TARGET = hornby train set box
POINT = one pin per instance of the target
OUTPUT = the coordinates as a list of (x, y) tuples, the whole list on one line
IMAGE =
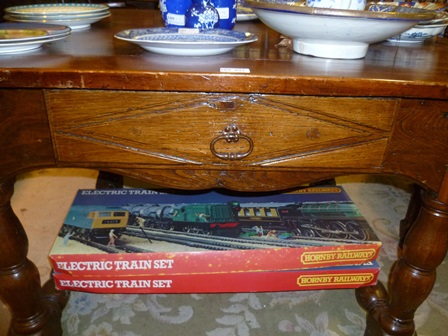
[(255, 281), (147, 233)]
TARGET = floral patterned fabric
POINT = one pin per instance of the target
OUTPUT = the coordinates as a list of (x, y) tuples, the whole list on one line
[(312, 313)]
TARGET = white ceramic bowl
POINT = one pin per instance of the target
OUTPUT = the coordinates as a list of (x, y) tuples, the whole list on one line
[(419, 33), (333, 33)]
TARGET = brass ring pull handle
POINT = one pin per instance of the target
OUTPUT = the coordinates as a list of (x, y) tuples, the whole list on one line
[(231, 134)]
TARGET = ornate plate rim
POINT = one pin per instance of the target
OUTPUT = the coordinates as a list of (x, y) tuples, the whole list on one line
[(29, 37), (67, 22), (24, 46), (92, 8), (299, 8), (52, 31)]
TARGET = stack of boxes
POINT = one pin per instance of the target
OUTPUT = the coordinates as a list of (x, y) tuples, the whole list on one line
[(148, 241)]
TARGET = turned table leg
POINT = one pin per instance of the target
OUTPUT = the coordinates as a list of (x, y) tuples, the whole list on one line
[(413, 275), (35, 311), (415, 205)]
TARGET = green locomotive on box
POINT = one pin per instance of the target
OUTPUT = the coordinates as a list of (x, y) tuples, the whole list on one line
[(220, 219)]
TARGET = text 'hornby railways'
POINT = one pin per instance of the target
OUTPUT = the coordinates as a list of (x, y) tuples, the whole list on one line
[(313, 280), (324, 257)]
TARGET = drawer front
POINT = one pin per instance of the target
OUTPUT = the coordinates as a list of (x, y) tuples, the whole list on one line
[(160, 128)]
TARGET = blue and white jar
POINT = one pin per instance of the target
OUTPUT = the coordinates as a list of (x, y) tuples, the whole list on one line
[(227, 12), (173, 12), (202, 15)]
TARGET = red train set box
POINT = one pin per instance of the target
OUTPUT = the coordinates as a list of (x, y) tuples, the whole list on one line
[(263, 281), (141, 232)]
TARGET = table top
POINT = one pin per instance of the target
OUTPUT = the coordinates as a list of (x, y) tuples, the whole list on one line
[(94, 59)]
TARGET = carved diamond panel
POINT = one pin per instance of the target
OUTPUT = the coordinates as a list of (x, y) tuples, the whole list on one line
[(154, 128)]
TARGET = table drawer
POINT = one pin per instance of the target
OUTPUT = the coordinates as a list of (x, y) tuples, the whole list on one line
[(160, 128)]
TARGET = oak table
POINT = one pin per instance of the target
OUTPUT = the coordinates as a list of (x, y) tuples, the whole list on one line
[(96, 102)]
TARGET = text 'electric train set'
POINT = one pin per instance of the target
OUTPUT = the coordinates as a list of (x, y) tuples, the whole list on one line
[(336, 220)]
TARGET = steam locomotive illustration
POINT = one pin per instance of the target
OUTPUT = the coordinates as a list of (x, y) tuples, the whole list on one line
[(95, 222), (325, 220), (339, 220), (220, 219)]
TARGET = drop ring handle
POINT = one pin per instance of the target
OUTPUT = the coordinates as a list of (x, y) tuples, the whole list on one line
[(231, 134)]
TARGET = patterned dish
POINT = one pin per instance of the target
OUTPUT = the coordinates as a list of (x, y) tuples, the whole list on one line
[(24, 37), (76, 16), (8, 35), (419, 33), (185, 42), (57, 9), (74, 23), (244, 13)]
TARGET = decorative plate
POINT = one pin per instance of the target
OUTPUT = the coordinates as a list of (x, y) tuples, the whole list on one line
[(25, 32), (440, 18), (12, 35), (186, 42), (57, 9), (74, 23), (20, 47), (419, 33), (245, 14), (57, 17), (23, 37)]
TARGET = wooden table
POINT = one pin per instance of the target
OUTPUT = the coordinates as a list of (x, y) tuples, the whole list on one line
[(93, 101)]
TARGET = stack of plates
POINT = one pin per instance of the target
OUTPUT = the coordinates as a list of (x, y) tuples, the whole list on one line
[(424, 30), (244, 13), (23, 37), (74, 15)]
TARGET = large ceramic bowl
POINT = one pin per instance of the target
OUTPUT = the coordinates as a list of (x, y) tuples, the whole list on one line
[(333, 33)]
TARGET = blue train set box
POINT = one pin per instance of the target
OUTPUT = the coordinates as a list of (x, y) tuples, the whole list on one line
[(141, 232)]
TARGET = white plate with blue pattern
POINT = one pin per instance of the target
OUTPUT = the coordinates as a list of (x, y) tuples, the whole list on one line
[(186, 42)]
